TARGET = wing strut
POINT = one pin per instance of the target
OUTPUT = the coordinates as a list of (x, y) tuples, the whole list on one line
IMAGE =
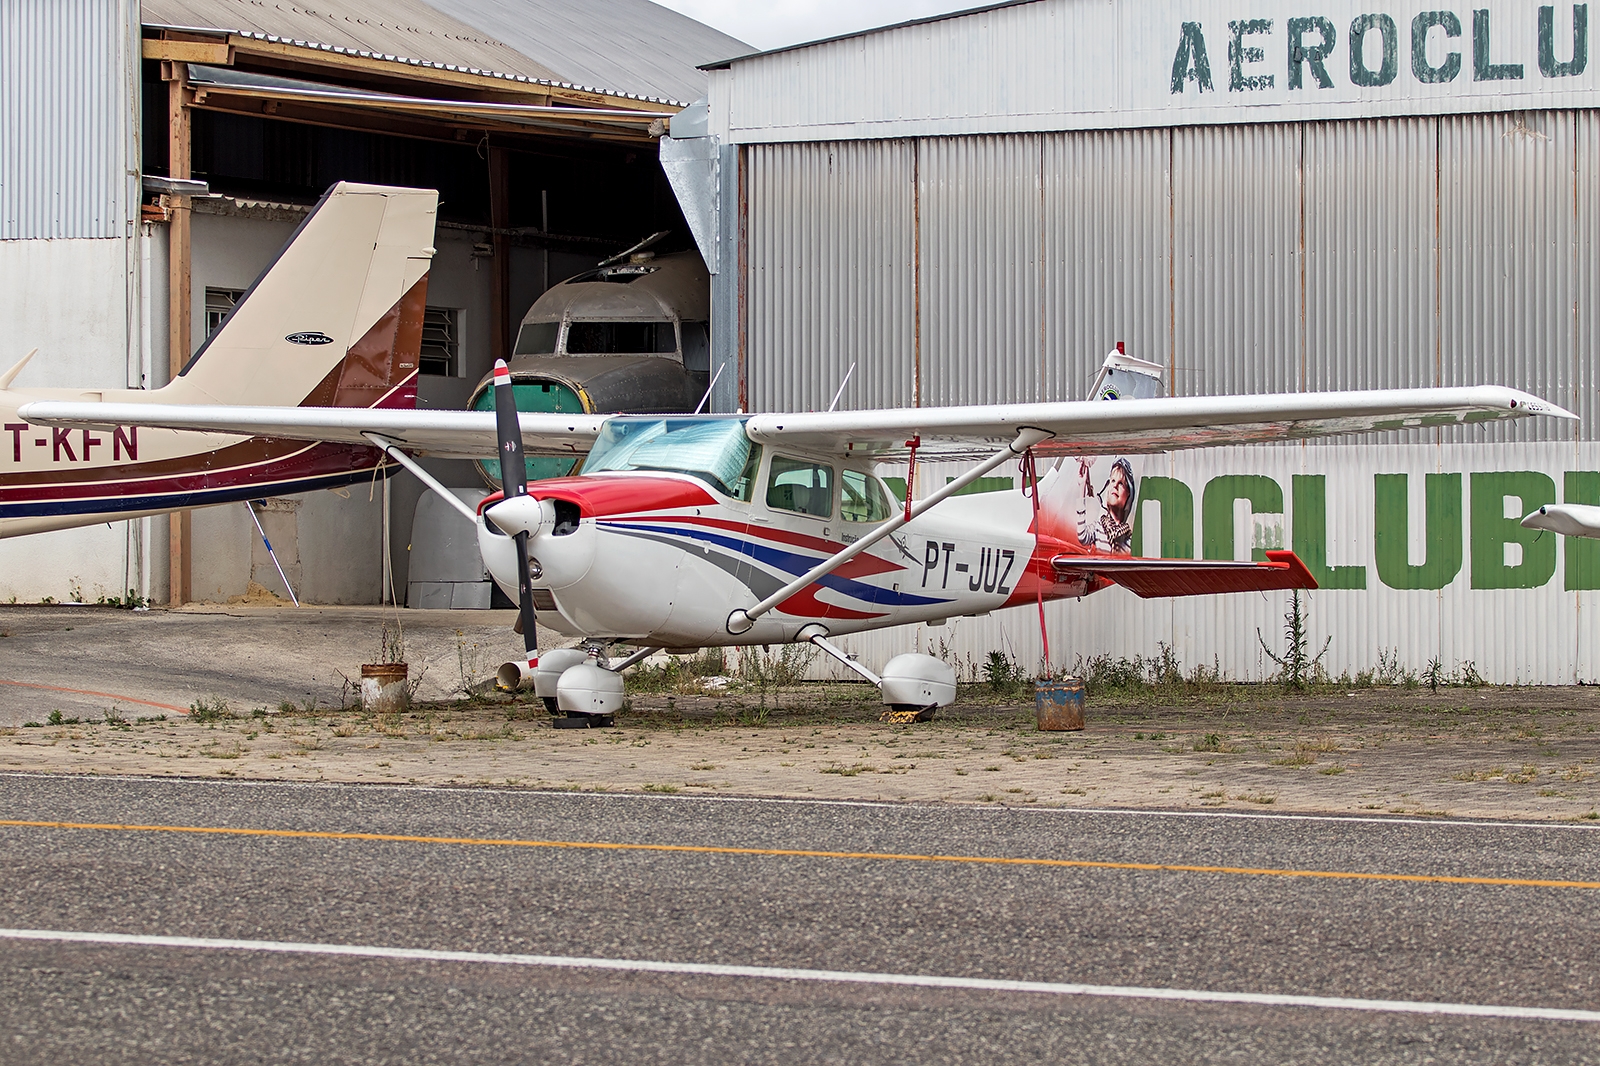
[(742, 619), (392, 450)]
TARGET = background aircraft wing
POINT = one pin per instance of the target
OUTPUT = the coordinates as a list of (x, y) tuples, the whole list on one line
[(446, 434), (1130, 426)]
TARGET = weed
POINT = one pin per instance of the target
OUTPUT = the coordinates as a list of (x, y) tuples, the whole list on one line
[(1164, 668), (1296, 666), (1390, 672), (209, 709), (1298, 757), (1002, 673), (1332, 770), (143, 720), (1210, 742), (32, 725), (469, 664), (651, 787), (766, 669), (131, 602), (1103, 674), (392, 643), (848, 771), (1434, 673)]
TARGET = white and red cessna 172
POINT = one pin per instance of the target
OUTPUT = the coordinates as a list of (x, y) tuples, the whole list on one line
[(724, 530)]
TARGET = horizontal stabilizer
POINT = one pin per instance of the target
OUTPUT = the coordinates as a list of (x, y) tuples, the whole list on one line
[(1190, 577)]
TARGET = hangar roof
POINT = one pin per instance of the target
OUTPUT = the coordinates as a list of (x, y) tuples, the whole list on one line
[(620, 47)]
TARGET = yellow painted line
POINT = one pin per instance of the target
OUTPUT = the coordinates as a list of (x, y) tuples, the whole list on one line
[(800, 853)]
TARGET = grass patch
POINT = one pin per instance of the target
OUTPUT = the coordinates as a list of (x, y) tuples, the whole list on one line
[(848, 771), (209, 709)]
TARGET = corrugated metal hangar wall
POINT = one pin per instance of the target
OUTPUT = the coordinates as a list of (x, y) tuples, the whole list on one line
[(70, 239), (1339, 255), (1270, 234)]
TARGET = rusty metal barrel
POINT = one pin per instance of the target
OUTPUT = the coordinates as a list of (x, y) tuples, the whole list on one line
[(1059, 704)]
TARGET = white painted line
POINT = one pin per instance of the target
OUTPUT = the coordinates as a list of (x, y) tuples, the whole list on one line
[(784, 973), (943, 808)]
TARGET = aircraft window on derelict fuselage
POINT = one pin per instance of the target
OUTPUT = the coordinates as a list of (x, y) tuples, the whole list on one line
[(537, 338), (621, 338), (861, 498), (715, 450), (800, 485)]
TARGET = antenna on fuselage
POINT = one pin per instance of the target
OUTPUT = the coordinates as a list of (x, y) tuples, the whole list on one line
[(720, 368), (842, 384)]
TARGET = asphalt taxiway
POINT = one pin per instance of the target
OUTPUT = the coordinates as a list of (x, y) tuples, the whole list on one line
[(184, 921)]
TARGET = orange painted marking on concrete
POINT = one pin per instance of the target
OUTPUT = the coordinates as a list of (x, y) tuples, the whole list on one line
[(102, 695), (880, 856)]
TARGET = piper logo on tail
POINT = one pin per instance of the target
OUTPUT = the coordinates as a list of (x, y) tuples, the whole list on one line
[(309, 337)]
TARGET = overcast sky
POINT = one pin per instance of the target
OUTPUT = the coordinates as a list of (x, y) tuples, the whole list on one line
[(776, 23)]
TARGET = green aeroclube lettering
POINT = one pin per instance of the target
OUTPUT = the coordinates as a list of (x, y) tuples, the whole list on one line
[(1177, 517), (1216, 510), (1191, 63), (1583, 553), (1441, 531), (1492, 530), (1309, 535)]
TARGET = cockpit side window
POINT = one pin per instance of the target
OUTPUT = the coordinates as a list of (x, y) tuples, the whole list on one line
[(861, 498), (800, 485)]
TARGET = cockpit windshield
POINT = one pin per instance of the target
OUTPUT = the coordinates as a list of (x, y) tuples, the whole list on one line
[(712, 449)]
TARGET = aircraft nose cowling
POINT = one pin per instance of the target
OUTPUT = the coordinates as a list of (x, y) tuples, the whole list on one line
[(521, 514)]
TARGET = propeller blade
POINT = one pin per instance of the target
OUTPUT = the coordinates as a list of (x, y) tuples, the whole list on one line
[(514, 480)]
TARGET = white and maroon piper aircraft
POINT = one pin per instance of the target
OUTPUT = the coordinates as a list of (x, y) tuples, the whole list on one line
[(692, 531)]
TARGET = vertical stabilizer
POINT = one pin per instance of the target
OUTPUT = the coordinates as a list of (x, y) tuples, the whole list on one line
[(336, 319)]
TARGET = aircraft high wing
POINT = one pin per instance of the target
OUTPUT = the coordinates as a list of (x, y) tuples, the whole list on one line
[(946, 433)]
